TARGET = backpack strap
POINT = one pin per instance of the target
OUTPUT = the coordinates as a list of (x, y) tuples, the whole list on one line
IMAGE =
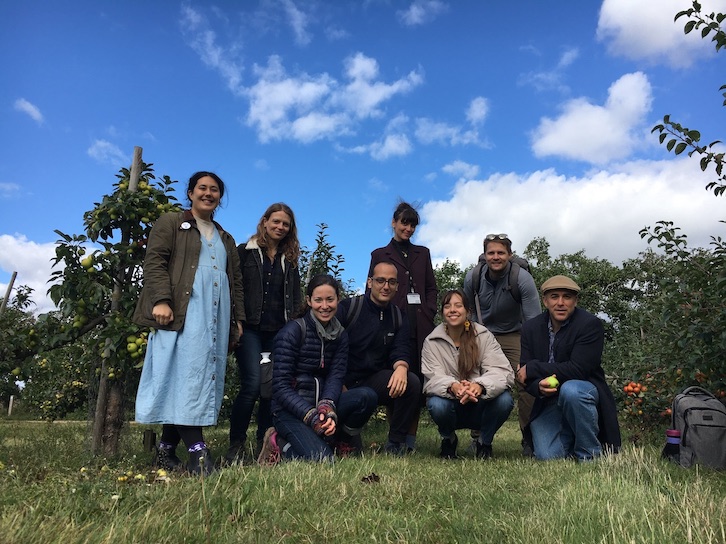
[(476, 273), (303, 326), (356, 304), (514, 282), (397, 317)]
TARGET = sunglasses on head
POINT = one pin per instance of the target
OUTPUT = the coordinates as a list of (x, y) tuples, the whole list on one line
[(490, 237)]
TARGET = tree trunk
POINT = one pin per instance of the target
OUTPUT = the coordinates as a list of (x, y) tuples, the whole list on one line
[(114, 419), (109, 417)]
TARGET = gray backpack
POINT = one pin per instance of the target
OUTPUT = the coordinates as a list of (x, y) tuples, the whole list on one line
[(701, 418)]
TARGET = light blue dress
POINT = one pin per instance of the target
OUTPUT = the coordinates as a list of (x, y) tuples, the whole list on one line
[(182, 380)]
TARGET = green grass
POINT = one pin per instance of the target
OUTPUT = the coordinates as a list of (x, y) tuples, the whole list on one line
[(51, 490)]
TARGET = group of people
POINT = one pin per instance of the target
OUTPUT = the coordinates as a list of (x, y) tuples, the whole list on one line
[(319, 366)]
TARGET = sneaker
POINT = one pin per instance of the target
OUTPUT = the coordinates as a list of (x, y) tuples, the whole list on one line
[(483, 451), (527, 450), (201, 462), (348, 446), (235, 452), (395, 448), (448, 448), (270, 452), (166, 459)]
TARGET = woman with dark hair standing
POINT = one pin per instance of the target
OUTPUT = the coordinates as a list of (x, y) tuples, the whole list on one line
[(468, 378), (271, 280), (308, 405), (417, 291), (192, 297)]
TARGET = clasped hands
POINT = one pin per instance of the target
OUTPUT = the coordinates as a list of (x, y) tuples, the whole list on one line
[(323, 419), (466, 391)]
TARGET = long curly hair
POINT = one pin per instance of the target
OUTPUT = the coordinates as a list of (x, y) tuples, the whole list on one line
[(289, 245), (468, 346)]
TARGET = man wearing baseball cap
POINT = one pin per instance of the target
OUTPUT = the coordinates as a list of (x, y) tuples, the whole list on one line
[(574, 413)]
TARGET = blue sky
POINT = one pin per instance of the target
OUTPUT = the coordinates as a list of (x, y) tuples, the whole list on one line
[(531, 119)]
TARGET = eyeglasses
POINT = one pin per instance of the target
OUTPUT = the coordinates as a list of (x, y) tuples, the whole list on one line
[(490, 237), (393, 282)]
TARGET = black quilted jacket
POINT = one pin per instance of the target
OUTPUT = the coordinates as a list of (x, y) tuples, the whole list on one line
[(306, 370)]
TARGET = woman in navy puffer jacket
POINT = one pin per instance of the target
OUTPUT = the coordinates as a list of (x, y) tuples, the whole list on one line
[(307, 382)]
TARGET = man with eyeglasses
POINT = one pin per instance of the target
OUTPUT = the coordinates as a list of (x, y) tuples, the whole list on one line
[(505, 296), (379, 353)]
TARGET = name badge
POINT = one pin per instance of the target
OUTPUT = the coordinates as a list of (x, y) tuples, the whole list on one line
[(413, 298)]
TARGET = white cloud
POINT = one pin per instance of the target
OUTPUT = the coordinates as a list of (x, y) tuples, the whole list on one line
[(203, 41), (551, 80), (429, 132), (307, 108), (29, 109), (9, 190), (421, 12), (105, 152), (298, 21), (377, 185), (601, 213), (568, 57), (464, 171), (478, 110), (393, 145), (645, 30), (364, 94), (32, 262), (593, 133)]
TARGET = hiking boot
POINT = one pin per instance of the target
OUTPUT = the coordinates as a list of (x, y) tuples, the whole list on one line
[(166, 459), (270, 452), (483, 451), (201, 462), (235, 452), (448, 448)]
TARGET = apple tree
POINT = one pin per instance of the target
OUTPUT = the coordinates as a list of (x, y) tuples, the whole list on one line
[(96, 293)]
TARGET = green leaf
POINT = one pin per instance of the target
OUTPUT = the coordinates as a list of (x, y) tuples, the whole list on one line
[(689, 26), (680, 148), (671, 144), (694, 135)]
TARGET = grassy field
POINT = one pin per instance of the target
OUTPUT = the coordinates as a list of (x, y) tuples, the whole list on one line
[(51, 490)]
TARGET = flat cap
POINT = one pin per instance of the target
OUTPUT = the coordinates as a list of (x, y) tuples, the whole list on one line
[(560, 282)]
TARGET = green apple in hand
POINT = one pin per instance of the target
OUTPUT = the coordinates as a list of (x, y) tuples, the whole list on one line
[(552, 382)]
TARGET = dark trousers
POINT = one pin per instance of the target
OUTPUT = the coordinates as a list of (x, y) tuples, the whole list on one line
[(248, 355), (403, 409)]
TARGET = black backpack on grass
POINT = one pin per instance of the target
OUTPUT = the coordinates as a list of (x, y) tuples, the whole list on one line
[(701, 418)]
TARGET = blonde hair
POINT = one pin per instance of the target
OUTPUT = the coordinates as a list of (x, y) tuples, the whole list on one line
[(289, 245)]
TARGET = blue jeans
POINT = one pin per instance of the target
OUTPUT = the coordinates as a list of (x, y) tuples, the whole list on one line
[(486, 416), (568, 426), (248, 357), (353, 409)]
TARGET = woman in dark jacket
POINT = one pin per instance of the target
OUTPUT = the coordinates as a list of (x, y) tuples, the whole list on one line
[(192, 297), (311, 355), (417, 291), (271, 282)]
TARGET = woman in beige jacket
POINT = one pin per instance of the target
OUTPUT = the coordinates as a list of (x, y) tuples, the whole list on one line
[(467, 378)]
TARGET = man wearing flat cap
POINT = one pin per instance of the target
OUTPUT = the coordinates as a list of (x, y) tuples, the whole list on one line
[(574, 414)]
